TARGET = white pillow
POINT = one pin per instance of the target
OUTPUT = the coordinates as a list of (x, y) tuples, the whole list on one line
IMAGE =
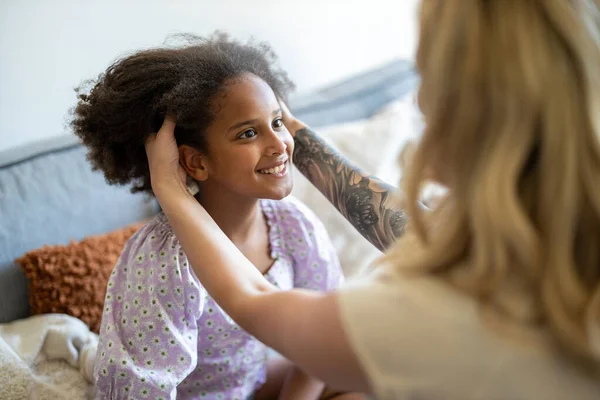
[(372, 144)]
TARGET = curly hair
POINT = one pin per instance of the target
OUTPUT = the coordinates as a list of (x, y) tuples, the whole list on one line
[(129, 101), (509, 92)]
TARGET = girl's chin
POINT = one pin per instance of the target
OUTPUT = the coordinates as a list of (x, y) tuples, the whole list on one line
[(278, 194)]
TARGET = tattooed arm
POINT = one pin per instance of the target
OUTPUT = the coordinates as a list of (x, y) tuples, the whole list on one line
[(362, 199)]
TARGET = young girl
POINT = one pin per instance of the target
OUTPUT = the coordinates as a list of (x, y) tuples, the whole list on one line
[(162, 335)]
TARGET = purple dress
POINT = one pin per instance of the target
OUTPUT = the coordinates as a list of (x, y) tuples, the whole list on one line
[(164, 337)]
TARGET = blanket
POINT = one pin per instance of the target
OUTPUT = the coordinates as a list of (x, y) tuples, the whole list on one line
[(46, 357)]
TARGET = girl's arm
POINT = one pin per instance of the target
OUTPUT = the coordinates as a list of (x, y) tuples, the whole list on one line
[(285, 381), (301, 386), (147, 346), (304, 326)]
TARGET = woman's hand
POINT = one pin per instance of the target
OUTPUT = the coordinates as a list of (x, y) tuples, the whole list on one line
[(168, 178), (291, 123)]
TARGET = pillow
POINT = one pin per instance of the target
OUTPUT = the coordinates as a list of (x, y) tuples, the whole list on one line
[(72, 279), (373, 144)]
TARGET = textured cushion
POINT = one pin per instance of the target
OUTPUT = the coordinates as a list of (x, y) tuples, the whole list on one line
[(72, 279)]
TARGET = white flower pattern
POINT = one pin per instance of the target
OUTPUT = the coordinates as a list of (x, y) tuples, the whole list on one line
[(162, 334)]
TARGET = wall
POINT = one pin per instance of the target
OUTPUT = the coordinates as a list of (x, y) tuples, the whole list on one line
[(47, 47)]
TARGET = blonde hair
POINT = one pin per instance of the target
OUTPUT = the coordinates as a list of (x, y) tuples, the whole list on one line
[(510, 96)]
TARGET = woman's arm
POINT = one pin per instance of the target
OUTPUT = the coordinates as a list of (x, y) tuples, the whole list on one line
[(304, 326), (362, 199)]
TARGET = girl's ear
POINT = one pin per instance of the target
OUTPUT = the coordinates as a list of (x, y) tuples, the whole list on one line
[(193, 162)]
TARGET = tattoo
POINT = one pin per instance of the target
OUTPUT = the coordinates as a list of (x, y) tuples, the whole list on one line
[(360, 198)]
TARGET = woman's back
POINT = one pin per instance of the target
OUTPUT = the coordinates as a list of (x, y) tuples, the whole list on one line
[(419, 338)]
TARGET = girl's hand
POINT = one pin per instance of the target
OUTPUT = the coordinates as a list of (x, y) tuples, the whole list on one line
[(290, 122), (168, 178)]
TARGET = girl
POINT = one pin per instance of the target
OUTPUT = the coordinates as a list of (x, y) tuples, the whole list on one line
[(162, 335), (495, 294)]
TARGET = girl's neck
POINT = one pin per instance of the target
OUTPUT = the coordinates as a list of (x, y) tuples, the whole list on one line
[(238, 217)]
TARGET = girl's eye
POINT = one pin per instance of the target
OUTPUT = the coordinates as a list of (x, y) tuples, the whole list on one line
[(250, 133), (278, 123)]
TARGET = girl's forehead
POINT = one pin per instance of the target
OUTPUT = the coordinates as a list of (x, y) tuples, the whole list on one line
[(248, 94)]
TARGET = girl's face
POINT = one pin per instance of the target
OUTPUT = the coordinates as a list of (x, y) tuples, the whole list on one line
[(249, 150)]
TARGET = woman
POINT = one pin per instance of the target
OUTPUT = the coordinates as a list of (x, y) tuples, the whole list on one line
[(495, 294)]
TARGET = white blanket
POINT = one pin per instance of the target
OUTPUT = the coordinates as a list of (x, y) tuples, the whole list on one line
[(46, 357)]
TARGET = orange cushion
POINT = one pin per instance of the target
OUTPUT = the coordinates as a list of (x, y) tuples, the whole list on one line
[(72, 279)]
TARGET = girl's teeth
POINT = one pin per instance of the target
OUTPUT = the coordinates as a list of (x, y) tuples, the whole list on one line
[(275, 170)]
